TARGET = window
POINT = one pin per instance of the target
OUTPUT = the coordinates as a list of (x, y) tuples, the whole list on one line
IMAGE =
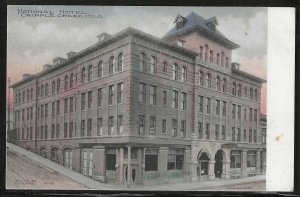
[(233, 111), (175, 99), (255, 136), (184, 74), (251, 159), (224, 85), (87, 163), (245, 135), (175, 71), (120, 124), (46, 111), (218, 58), (143, 62), (201, 78), (99, 100), (31, 93), (200, 130), (111, 65), (66, 82), (153, 65), (211, 56), (71, 130), (218, 83), (238, 134), (89, 127), (111, 94), (57, 107), (222, 59), (234, 89), (245, 114), (90, 97), (207, 131), (206, 53), (164, 97), (224, 108), (245, 91), (23, 98), (90, 71), (164, 126), (52, 131), (250, 135), (42, 111), (82, 128), (174, 127), (235, 159), (83, 101), (264, 137), (99, 127), (66, 105), (111, 125), (152, 128), (83, 75), (28, 95), (65, 130), (239, 112), (208, 105), (42, 132), (57, 130), (217, 132), (120, 62), (201, 52), (208, 80), (223, 132), (183, 128), (217, 107), (71, 104), (255, 115), (251, 93), (152, 95), (255, 95), (28, 114), (58, 85), (142, 93), (68, 158), (151, 160), (175, 159), (23, 114), (183, 101), (30, 133), (239, 90), (31, 112), (233, 133), (53, 108), (165, 67), (141, 124), (100, 69), (250, 114), (53, 87), (226, 62), (71, 80), (200, 104), (42, 92)]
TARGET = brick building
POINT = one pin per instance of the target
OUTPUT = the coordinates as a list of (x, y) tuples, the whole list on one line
[(137, 109)]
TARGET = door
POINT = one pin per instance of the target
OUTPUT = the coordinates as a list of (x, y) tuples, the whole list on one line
[(133, 174)]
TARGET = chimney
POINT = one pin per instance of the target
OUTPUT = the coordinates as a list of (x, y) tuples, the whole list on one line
[(58, 60), (103, 36), (235, 65), (47, 66), (71, 54)]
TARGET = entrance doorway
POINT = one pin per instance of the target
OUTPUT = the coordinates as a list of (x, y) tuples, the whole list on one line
[(134, 174), (202, 168), (219, 164)]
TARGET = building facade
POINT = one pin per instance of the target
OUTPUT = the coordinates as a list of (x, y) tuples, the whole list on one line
[(137, 109)]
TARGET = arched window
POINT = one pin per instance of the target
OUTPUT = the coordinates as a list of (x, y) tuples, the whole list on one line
[(175, 71), (206, 53), (153, 64), (184, 74), (71, 80), (90, 71), (208, 80), (66, 82), (53, 87), (201, 78), (255, 95), (165, 68), (234, 89), (224, 85), (222, 59), (251, 93), (143, 62), (111, 65), (245, 91), (201, 52), (100, 69), (46, 89), (120, 62), (58, 85), (218, 83), (68, 158), (83, 75), (42, 91), (239, 90)]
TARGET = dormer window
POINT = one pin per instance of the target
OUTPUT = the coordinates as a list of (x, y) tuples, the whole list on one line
[(180, 21), (180, 43), (211, 23)]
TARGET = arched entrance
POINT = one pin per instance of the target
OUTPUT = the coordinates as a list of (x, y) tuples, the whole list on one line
[(219, 163), (202, 168), (54, 155)]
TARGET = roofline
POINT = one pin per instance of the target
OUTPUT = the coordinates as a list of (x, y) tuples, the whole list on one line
[(248, 75), (225, 41), (116, 37)]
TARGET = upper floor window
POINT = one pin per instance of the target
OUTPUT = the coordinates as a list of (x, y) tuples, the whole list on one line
[(31, 93), (111, 94), (23, 98), (143, 62), (90, 71), (111, 65), (28, 95), (218, 58), (211, 56), (234, 89), (201, 52), (183, 101), (206, 53), (208, 80), (142, 93), (83, 101), (100, 69), (201, 78), (255, 95), (239, 90), (120, 92), (152, 95), (222, 59), (251, 93), (224, 85), (153, 65), (218, 83), (184, 74), (90, 97), (42, 91), (120, 62), (227, 62), (175, 71), (58, 85), (71, 80), (53, 87), (245, 91), (165, 67), (83, 75), (66, 82), (175, 99)]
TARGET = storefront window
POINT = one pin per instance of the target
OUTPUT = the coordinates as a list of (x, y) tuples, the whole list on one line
[(175, 159), (235, 159), (251, 159), (151, 159)]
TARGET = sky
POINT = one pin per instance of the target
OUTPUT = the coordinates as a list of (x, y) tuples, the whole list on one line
[(35, 41)]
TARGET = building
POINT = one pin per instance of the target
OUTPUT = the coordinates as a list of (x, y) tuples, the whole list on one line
[(137, 109)]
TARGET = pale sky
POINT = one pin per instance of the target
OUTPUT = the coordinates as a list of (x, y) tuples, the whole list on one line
[(35, 41)]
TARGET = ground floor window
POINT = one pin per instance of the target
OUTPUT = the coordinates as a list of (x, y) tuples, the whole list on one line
[(151, 159), (87, 163), (202, 168), (251, 159), (175, 159), (235, 159), (68, 158), (43, 152), (133, 153), (111, 159), (54, 156)]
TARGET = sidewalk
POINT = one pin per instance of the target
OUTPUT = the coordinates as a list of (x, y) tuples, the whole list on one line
[(95, 185)]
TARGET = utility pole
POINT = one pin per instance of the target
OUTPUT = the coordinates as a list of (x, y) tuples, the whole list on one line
[(8, 106)]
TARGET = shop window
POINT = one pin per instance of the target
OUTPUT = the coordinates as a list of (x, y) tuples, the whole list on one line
[(151, 159), (251, 159), (235, 159), (111, 160)]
